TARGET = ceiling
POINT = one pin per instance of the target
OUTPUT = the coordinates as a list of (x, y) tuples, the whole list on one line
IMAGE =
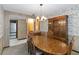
[(47, 10)]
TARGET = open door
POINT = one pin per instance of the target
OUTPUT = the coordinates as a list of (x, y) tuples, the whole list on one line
[(21, 29)]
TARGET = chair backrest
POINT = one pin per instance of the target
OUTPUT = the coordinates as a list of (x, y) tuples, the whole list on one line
[(71, 45), (31, 47)]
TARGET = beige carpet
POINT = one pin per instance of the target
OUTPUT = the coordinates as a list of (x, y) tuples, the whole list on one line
[(14, 42), (16, 50), (21, 50)]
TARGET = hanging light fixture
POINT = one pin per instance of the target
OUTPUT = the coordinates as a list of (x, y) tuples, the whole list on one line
[(41, 17)]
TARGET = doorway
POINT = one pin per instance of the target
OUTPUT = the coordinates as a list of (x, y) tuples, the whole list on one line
[(13, 29), (17, 32), (13, 32)]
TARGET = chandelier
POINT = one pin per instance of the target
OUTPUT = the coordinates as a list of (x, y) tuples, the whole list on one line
[(42, 17)]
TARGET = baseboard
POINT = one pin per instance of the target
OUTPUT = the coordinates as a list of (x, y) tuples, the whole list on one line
[(22, 38), (3, 49), (75, 51)]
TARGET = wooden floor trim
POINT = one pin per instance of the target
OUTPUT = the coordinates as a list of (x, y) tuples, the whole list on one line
[(75, 51)]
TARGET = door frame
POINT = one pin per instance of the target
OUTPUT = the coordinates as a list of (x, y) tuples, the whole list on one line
[(15, 21)]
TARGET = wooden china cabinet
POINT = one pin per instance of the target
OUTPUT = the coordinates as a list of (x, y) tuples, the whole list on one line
[(58, 26)]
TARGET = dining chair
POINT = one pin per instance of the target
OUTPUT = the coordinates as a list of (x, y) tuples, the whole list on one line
[(31, 48), (30, 45), (71, 46)]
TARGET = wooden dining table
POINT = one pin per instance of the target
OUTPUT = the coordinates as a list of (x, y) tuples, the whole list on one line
[(50, 45)]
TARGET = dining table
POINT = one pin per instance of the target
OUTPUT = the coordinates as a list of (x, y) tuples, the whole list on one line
[(50, 45)]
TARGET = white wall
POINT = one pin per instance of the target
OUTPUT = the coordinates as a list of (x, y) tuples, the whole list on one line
[(73, 26), (1, 27)]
